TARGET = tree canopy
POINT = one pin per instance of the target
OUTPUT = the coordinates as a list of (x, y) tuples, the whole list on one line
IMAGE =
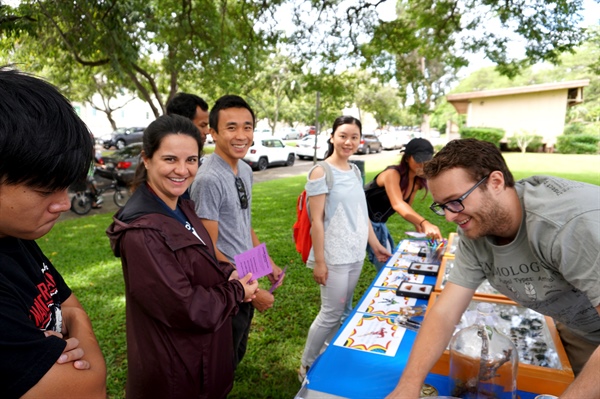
[(154, 48)]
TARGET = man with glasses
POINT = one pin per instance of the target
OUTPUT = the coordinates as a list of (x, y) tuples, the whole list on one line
[(222, 192), (536, 241)]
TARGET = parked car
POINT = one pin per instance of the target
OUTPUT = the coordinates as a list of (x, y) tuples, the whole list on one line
[(121, 164), (288, 133), (124, 136), (265, 152), (393, 140), (369, 143), (305, 148), (264, 132), (101, 138)]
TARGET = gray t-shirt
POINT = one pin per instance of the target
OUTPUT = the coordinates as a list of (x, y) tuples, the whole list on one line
[(346, 221), (216, 197), (553, 264)]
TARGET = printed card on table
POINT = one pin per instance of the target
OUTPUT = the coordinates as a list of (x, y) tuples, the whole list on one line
[(374, 334), (255, 261), (412, 247), (392, 278), (402, 262), (385, 302)]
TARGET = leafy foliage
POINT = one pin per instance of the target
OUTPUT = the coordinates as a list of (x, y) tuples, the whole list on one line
[(578, 144), (145, 47), (491, 134)]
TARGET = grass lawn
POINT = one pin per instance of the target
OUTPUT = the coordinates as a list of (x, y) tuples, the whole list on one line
[(79, 248)]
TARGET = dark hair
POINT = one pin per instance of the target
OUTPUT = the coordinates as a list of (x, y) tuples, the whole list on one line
[(339, 121), (186, 104), (478, 158), (43, 143), (154, 135), (404, 170), (226, 102)]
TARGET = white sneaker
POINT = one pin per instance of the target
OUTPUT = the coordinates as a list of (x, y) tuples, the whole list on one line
[(302, 373)]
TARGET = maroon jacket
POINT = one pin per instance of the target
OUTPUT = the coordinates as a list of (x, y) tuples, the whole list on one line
[(179, 303)]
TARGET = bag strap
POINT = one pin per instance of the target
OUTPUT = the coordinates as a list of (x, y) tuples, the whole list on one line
[(357, 172), (328, 174)]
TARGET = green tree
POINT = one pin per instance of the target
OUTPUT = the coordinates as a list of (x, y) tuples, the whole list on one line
[(273, 88), (380, 100), (149, 46)]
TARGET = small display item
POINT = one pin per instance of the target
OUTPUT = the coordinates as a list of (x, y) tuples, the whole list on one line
[(427, 269), (414, 290), (542, 358), (428, 391)]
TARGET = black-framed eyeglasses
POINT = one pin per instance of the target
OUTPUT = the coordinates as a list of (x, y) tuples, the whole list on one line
[(455, 206), (241, 189)]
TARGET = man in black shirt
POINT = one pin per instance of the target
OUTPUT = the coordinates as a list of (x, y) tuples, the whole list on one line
[(47, 343)]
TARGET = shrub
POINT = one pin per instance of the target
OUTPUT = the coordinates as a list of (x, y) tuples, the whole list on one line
[(574, 128), (491, 134), (578, 144)]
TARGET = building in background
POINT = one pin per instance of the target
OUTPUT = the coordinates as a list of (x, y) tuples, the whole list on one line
[(538, 109)]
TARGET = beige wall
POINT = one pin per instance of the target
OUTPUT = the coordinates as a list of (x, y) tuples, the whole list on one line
[(541, 113)]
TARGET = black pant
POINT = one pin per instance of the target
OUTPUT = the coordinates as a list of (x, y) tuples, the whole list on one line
[(241, 328)]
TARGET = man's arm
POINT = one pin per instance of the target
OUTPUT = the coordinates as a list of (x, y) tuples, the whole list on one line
[(586, 385), (432, 339), (64, 380), (212, 227)]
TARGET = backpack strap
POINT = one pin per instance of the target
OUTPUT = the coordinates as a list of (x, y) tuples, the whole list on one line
[(328, 174), (357, 172)]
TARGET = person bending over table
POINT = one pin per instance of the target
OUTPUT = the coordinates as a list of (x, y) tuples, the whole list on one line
[(535, 240), (394, 190)]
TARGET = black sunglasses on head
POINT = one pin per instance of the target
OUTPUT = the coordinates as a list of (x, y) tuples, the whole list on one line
[(241, 189)]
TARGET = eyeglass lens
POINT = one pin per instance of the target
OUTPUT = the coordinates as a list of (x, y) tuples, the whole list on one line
[(455, 206), (241, 189)]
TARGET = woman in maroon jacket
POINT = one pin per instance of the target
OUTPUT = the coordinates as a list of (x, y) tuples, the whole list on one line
[(179, 298)]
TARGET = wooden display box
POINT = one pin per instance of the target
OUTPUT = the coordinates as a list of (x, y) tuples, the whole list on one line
[(552, 379), (452, 245), (485, 289)]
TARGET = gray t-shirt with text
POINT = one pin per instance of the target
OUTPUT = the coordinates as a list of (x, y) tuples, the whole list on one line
[(553, 265)]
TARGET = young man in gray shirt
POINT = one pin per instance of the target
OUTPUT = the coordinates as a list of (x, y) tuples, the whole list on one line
[(222, 192), (536, 240)]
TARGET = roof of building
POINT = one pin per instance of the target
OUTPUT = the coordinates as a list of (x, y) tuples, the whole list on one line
[(519, 90), (460, 100)]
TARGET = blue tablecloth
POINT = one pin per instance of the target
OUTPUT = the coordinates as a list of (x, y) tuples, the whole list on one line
[(351, 373)]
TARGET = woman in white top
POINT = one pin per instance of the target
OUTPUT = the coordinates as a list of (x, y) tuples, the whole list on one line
[(340, 229)]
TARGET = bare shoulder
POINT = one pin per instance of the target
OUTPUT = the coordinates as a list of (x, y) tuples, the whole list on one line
[(316, 173)]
